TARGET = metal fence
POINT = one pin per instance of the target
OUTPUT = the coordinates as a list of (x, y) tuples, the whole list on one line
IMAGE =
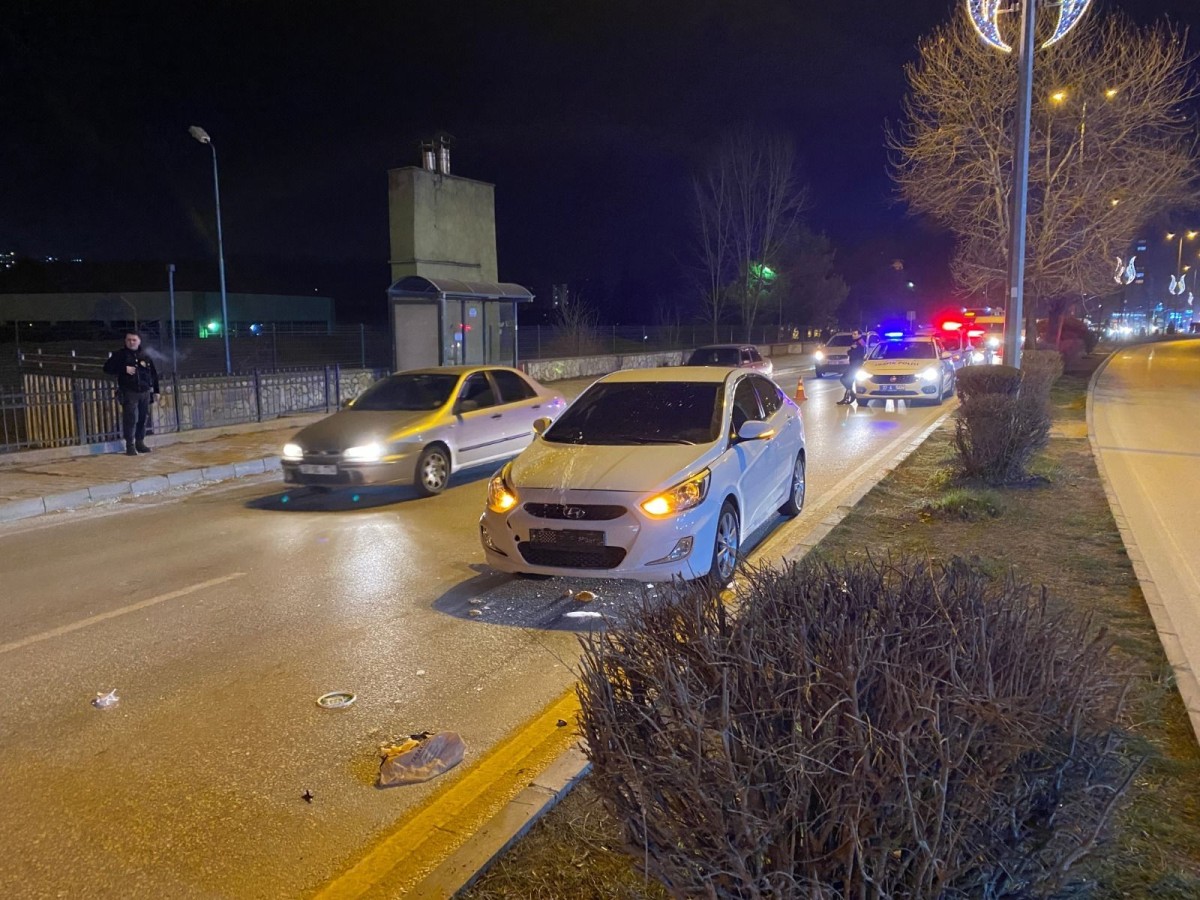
[(66, 410), (556, 342)]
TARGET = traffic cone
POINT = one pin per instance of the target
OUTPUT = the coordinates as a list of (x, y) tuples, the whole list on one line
[(800, 395)]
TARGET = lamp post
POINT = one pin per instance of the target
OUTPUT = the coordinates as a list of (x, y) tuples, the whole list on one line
[(985, 16), (202, 136)]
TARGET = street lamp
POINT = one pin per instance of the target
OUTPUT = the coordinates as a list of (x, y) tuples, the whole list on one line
[(985, 15), (202, 136)]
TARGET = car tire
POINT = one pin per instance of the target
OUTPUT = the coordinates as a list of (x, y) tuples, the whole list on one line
[(726, 545), (864, 402), (799, 484), (819, 372), (433, 470), (941, 394)]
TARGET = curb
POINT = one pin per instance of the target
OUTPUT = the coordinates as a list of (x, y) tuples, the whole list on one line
[(1186, 681), (475, 856), (153, 484)]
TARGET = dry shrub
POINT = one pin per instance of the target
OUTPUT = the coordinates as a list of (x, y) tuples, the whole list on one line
[(1004, 416), (861, 730)]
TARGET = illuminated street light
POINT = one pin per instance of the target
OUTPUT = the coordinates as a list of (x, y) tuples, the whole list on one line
[(985, 16), (1110, 93), (202, 136), (1058, 96)]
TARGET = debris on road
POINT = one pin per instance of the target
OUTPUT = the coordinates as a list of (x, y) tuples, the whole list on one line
[(104, 701), (584, 614), (336, 700), (475, 613), (425, 760), (420, 672), (585, 597), (566, 595), (307, 796), (476, 601)]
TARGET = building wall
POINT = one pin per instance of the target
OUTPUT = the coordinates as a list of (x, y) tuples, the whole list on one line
[(442, 226), (152, 306)]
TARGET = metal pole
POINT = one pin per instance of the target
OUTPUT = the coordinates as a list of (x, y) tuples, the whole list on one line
[(362, 345), (1013, 316), (171, 289), (221, 263)]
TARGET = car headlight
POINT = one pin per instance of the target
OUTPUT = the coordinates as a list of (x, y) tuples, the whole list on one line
[(501, 497), (993, 342), (365, 453), (685, 495), (819, 356), (977, 356), (293, 451), (931, 374), (862, 375)]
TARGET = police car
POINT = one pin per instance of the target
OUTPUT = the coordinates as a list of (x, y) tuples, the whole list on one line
[(906, 367)]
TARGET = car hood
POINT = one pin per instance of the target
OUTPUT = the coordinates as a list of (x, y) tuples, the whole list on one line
[(899, 366), (353, 428), (644, 468)]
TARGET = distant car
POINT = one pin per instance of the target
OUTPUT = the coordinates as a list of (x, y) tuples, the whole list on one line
[(420, 426), (738, 356), (650, 474), (906, 368), (834, 355)]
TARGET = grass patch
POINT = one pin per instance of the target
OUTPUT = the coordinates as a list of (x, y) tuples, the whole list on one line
[(1060, 533)]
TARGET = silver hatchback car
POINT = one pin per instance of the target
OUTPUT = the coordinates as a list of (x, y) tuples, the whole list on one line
[(737, 356), (417, 427)]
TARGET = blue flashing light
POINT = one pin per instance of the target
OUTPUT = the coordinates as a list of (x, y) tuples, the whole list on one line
[(893, 334)]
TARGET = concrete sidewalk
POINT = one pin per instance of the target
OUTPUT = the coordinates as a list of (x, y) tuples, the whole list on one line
[(35, 483)]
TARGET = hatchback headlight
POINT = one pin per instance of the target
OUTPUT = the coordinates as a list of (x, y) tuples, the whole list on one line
[(685, 495), (365, 453), (862, 375), (293, 451), (501, 497), (930, 374), (819, 356)]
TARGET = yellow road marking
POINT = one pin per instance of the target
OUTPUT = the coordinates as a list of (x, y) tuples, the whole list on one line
[(450, 817)]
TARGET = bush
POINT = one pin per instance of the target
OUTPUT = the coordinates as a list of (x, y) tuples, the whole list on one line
[(978, 380), (855, 730), (997, 435)]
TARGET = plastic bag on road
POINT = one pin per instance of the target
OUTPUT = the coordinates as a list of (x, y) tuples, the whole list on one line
[(430, 758)]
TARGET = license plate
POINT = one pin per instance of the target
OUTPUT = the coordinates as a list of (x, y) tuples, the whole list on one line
[(317, 470), (890, 387), (566, 536)]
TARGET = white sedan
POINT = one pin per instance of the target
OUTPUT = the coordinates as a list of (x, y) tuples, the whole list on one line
[(910, 368), (650, 474)]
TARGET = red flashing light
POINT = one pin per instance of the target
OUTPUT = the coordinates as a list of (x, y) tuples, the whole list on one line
[(975, 332), (951, 325)]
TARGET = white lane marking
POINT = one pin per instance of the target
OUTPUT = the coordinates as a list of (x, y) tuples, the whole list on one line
[(112, 614)]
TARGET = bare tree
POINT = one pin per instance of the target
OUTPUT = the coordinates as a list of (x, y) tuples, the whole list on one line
[(749, 204), (1110, 146)]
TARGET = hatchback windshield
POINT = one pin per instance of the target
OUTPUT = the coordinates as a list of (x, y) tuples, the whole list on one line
[(418, 391), (839, 340), (632, 412), (715, 356), (904, 350)]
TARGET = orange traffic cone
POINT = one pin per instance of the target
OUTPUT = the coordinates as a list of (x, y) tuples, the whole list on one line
[(800, 396)]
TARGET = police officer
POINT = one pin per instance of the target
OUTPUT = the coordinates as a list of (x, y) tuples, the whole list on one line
[(137, 385), (857, 354)]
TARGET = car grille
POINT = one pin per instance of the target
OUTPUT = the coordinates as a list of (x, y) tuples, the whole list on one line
[(894, 379), (572, 557), (578, 512)]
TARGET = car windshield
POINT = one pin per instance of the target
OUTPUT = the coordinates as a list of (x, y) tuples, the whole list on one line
[(714, 356), (417, 391), (636, 412), (840, 340), (904, 350)]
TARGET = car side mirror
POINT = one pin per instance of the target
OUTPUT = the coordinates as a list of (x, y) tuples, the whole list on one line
[(541, 424), (466, 406), (755, 430)]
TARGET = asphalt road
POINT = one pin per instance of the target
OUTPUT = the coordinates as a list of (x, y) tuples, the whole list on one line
[(220, 614), (1146, 425)]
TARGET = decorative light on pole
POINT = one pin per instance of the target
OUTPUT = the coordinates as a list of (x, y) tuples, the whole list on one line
[(202, 136), (985, 16)]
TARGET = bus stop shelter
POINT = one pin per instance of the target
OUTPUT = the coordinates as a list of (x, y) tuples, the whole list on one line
[(447, 322)]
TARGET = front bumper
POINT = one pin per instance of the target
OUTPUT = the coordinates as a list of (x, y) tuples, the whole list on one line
[(632, 544), (317, 472), (885, 389), (837, 364)]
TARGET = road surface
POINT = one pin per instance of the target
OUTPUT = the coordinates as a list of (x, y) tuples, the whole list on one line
[(220, 615)]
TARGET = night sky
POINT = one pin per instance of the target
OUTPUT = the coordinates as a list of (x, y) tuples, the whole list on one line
[(589, 117)]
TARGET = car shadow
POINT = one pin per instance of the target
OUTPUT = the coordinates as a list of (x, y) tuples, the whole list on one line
[(305, 498)]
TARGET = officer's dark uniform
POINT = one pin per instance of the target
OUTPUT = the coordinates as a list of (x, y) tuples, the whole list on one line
[(135, 391)]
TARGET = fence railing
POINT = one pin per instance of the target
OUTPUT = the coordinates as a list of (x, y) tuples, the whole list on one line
[(557, 342), (65, 410)]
